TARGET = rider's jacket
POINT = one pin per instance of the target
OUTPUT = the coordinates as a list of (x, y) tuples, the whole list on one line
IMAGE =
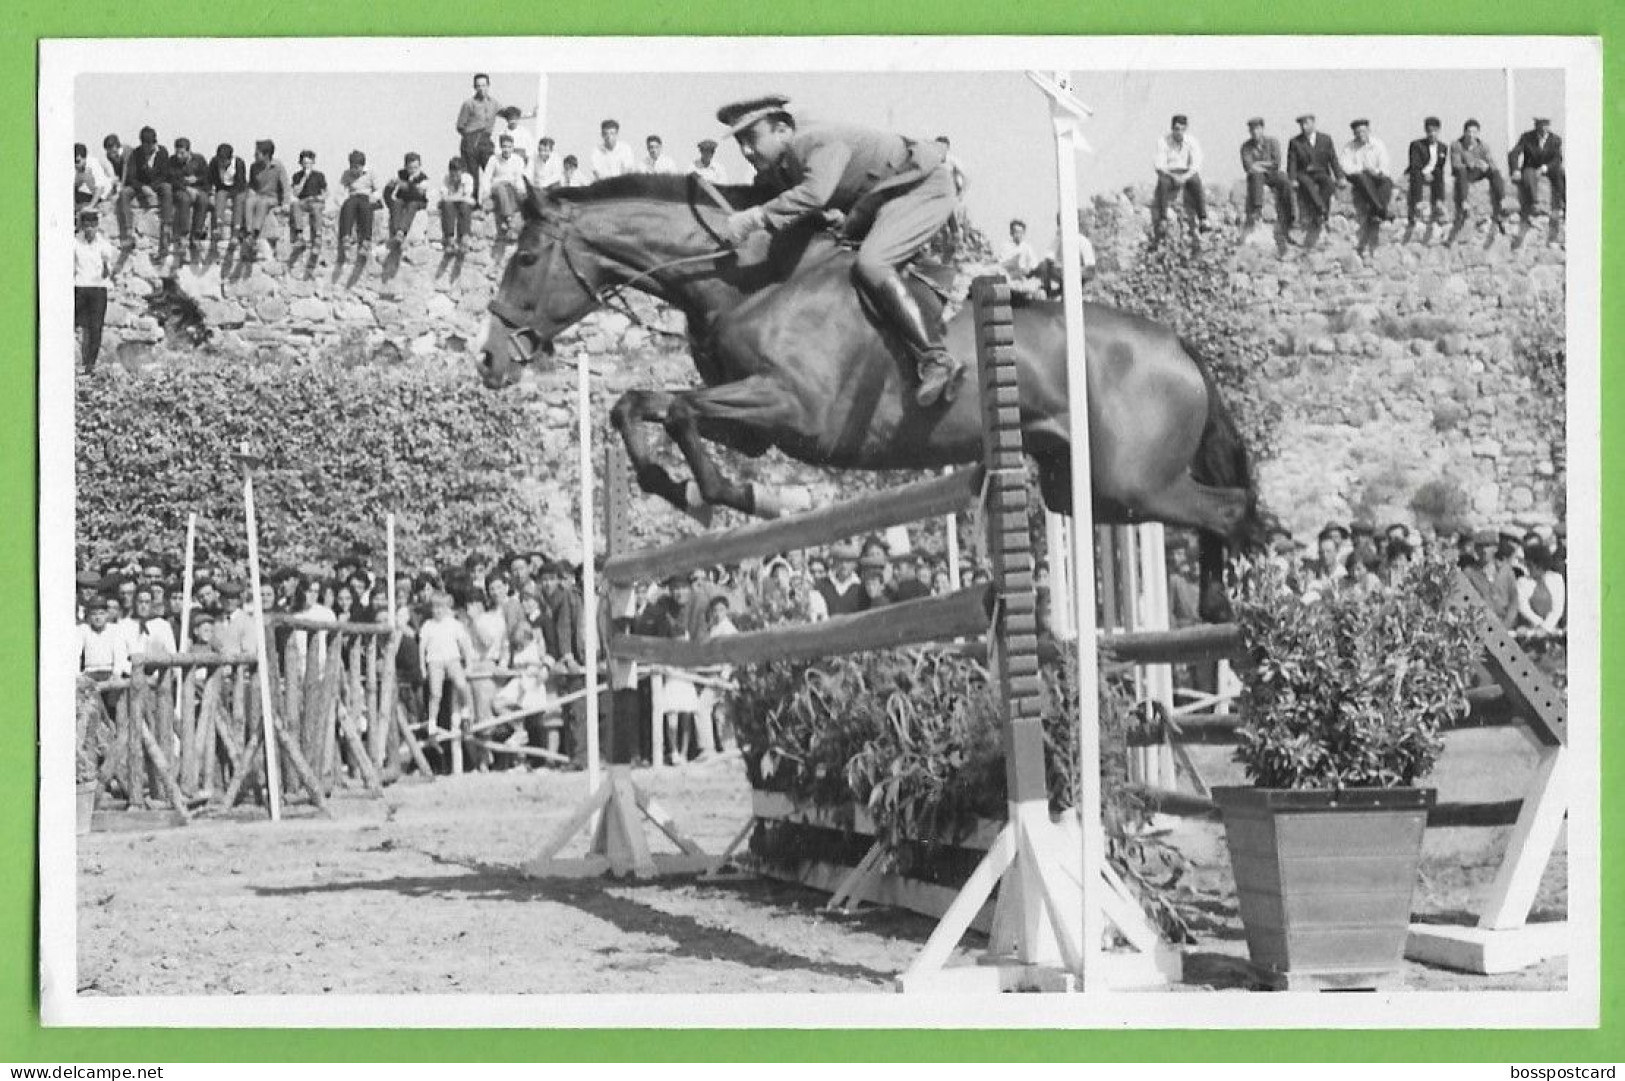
[(834, 166)]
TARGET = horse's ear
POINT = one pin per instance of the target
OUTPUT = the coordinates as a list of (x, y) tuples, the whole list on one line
[(534, 205)]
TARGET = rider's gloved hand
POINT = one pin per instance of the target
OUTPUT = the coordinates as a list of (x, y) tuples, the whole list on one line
[(742, 223)]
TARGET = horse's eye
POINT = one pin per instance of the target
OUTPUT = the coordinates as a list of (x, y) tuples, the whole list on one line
[(527, 258)]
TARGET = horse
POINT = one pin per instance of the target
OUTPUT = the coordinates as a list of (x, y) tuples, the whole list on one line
[(791, 358)]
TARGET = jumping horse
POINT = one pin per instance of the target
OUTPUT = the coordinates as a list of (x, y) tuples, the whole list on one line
[(790, 358)]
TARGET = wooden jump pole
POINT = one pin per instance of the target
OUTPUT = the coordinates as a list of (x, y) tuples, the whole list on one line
[(273, 768), (589, 571)]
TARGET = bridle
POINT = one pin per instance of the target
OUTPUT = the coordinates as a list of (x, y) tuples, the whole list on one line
[(525, 341)]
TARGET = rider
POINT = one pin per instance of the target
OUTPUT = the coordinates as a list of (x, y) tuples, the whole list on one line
[(899, 194)]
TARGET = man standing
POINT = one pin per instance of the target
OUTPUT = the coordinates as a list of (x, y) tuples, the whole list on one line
[(188, 176), (1261, 163), (1365, 161), (545, 171), (474, 121), (309, 200), (145, 180), (1313, 171), (1470, 162), (656, 160), (93, 259), (1538, 153), (899, 194), (268, 190), (611, 157), (1425, 169), (228, 183), (1179, 171), (707, 165)]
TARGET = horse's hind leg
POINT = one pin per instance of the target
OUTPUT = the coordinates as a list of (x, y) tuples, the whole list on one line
[(1187, 502)]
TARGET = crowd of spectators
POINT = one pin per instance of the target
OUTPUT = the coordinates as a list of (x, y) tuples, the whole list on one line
[(481, 637)]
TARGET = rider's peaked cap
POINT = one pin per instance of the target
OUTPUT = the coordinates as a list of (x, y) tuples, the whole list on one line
[(742, 114)]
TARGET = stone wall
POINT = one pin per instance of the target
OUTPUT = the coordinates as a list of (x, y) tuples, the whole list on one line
[(1396, 372)]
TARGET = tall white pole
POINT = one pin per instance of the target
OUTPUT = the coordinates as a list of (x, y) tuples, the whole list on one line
[(589, 572), (186, 595), (540, 128), (1512, 108), (950, 525), (273, 766), (389, 566), (1083, 533)]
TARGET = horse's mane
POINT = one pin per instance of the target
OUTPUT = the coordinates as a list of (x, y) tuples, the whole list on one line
[(660, 187)]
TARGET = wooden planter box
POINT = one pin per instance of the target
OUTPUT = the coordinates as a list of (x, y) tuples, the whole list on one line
[(1325, 881), (844, 880)]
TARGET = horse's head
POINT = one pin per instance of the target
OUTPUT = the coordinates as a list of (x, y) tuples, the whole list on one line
[(551, 281)]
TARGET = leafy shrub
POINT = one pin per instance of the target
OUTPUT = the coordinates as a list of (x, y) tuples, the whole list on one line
[(1348, 690), (915, 738)]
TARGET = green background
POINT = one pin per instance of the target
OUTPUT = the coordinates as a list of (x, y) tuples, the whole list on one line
[(21, 1037)]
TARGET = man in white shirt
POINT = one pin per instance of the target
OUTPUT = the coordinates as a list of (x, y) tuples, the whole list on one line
[(504, 184), (1017, 258), (93, 260), (103, 653), (611, 157), (1365, 161), (574, 175), (656, 161), (546, 171), (154, 637), (1179, 171), (1049, 268), (707, 165)]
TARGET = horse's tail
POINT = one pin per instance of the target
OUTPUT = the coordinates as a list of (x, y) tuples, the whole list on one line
[(1221, 461)]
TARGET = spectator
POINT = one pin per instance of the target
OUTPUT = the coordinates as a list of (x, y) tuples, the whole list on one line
[(93, 261), (188, 177), (111, 165), (267, 191), (1261, 163), (1542, 596), (1329, 563), (1049, 268), (145, 181), (1179, 172), (236, 632), (508, 124), (656, 159), (1428, 160), (1313, 170), (611, 157), (205, 638), (228, 187), (88, 183), (906, 584), (843, 591), (546, 171), (1397, 562), (405, 195), (707, 165), (488, 633), (358, 188), (447, 652), (153, 635), (1016, 256), (103, 652), (475, 119), (563, 629), (1539, 152), (309, 202), (504, 185), (941, 581), (573, 175), (456, 206), (1504, 579), (1365, 162), (1470, 162)]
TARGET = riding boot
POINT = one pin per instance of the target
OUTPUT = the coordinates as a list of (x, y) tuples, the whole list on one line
[(937, 370)]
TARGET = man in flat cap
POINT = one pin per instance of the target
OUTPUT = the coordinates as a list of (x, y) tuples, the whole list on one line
[(1365, 161), (892, 192), (1539, 153), (1178, 163), (1313, 170), (93, 263), (1261, 164), (1425, 169), (707, 165)]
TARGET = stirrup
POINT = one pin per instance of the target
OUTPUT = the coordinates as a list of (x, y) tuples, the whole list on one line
[(940, 374)]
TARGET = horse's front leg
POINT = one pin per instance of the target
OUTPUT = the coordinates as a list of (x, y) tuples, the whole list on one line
[(756, 409), (634, 409)]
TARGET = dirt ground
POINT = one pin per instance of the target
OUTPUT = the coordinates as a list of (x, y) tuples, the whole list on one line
[(420, 892)]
